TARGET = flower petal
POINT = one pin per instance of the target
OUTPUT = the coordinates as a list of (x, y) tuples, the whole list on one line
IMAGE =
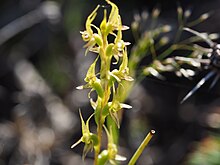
[(120, 158), (125, 106), (75, 144)]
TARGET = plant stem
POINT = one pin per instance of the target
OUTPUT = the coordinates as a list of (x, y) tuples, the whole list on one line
[(105, 68), (141, 148)]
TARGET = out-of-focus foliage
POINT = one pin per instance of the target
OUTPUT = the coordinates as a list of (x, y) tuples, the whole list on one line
[(206, 152), (155, 41)]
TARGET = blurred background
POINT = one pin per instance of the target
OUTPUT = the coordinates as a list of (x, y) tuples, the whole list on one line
[(42, 61)]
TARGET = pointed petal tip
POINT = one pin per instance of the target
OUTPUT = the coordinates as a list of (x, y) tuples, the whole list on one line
[(75, 144), (124, 27), (72, 146), (127, 43), (128, 78), (120, 158), (126, 106), (79, 87)]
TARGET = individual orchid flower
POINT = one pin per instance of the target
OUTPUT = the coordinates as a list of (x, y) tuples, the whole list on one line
[(113, 22), (89, 36), (88, 138), (113, 17), (108, 26), (123, 72), (115, 106), (111, 154), (92, 81), (119, 44)]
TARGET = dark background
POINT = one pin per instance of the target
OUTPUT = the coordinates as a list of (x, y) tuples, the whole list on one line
[(41, 65)]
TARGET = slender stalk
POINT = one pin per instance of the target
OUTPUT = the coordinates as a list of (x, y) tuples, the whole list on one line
[(141, 148), (105, 67), (174, 47)]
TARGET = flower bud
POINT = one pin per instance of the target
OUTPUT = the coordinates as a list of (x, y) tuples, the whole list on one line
[(109, 49), (103, 157), (103, 24), (98, 39), (91, 72), (98, 88), (204, 16), (94, 139)]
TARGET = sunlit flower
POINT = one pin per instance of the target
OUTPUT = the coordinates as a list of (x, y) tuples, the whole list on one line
[(111, 154), (92, 39), (88, 138), (115, 106), (92, 81), (123, 72)]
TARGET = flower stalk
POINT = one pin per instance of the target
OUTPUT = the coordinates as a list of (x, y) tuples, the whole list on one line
[(105, 82)]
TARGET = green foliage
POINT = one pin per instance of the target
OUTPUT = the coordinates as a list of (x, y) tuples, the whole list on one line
[(156, 43), (206, 152)]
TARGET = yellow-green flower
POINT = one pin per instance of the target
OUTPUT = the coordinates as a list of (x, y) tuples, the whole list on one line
[(93, 39), (123, 72), (92, 81), (111, 154), (115, 106), (88, 138)]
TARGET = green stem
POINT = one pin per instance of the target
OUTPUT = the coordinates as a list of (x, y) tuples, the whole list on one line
[(179, 33), (141, 148), (174, 47), (113, 126), (105, 68)]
